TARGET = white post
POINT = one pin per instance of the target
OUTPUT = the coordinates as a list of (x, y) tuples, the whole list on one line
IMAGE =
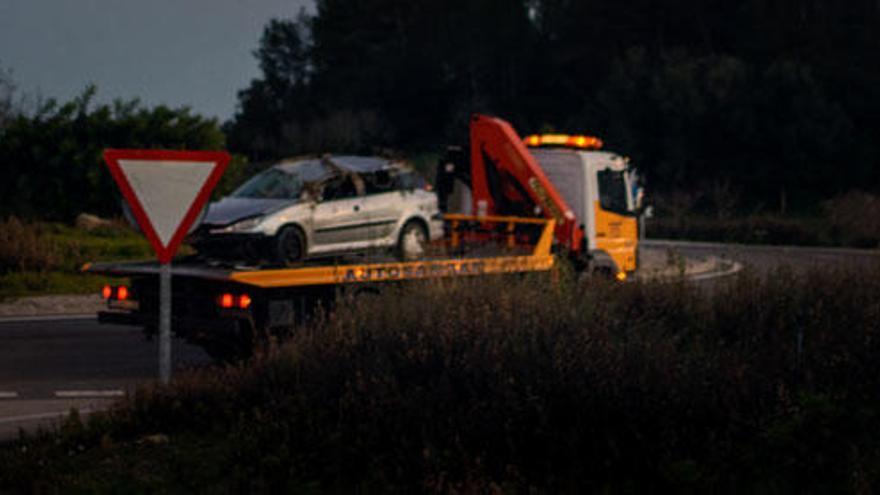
[(165, 322)]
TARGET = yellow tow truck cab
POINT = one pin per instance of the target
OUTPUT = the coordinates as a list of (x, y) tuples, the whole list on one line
[(602, 189)]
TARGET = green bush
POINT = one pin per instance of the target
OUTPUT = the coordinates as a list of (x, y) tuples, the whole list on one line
[(854, 218), (53, 158), (755, 229), (761, 384)]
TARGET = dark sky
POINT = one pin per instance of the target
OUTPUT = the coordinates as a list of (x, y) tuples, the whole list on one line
[(177, 52)]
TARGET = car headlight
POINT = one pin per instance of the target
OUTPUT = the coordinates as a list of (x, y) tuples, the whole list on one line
[(242, 226)]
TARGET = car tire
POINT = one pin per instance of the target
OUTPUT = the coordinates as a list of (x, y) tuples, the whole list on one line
[(290, 245), (412, 241)]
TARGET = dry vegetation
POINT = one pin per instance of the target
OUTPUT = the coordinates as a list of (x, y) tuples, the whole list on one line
[(42, 257), (764, 384)]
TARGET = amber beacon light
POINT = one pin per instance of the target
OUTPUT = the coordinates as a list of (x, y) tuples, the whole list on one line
[(564, 140)]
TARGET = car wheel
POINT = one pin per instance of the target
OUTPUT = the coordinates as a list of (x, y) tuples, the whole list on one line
[(290, 245), (412, 241)]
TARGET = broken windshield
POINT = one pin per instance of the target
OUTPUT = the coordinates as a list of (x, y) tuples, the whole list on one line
[(271, 184)]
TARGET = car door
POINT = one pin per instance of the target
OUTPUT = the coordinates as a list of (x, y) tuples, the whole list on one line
[(384, 204), (339, 221)]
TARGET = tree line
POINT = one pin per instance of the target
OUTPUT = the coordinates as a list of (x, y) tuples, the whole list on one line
[(768, 104), (727, 107), (51, 155)]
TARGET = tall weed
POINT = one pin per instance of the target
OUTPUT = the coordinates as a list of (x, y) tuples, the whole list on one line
[(764, 383), (24, 247)]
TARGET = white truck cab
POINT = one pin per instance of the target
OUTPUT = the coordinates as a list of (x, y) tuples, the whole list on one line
[(602, 189)]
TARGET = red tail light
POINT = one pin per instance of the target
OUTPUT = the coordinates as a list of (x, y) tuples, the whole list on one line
[(226, 301), (122, 293), (107, 292), (244, 301)]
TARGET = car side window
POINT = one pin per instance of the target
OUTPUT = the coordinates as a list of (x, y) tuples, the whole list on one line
[(407, 181), (378, 182), (343, 187)]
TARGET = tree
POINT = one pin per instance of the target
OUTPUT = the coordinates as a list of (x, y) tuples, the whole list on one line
[(771, 100), (7, 95), (53, 159)]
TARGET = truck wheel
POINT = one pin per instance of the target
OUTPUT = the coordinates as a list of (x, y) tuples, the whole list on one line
[(412, 241), (290, 245)]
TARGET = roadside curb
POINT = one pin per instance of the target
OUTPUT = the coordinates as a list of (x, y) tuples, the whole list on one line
[(51, 317), (728, 268), (51, 306)]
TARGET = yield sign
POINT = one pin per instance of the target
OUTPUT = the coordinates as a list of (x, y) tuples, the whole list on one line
[(166, 190)]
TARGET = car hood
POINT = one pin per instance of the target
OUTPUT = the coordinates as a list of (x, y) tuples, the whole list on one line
[(230, 209)]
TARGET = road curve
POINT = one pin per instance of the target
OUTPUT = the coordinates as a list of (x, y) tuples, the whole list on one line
[(768, 258)]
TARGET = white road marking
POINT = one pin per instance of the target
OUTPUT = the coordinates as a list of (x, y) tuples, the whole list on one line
[(32, 417), (8, 395), (88, 394), (734, 268)]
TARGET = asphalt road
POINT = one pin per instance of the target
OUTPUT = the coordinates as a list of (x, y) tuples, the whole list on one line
[(48, 366), (768, 258)]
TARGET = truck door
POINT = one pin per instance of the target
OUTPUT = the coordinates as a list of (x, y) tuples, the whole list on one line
[(616, 225)]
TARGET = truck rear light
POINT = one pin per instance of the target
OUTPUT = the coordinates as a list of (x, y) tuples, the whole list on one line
[(122, 293), (107, 292), (244, 301), (226, 301), (233, 301)]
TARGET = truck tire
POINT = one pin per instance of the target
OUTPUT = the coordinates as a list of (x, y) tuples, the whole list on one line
[(290, 245)]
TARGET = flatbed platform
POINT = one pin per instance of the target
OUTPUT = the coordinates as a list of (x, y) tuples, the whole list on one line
[(359, 269), (226, 307)]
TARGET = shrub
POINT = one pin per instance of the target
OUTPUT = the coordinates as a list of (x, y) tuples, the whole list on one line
[(761, 384), (854, 218), (23, 247)]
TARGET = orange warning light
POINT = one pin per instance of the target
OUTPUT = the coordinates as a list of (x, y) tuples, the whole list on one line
[(577, 141)]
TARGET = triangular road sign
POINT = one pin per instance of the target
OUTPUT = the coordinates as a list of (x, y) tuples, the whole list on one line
[(166, 190)]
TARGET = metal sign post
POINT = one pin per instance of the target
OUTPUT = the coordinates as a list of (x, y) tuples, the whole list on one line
[(166, 191), (165, 322)]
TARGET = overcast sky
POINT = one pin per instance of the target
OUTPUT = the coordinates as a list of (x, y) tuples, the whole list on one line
[(176, 52)]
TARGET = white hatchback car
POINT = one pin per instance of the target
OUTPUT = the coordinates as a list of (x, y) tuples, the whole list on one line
[(316, 207)]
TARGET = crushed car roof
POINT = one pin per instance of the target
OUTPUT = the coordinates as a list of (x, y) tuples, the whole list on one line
[(357, 164)]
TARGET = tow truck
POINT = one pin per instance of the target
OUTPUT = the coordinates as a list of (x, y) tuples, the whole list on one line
[(520, 221), (593, 195)]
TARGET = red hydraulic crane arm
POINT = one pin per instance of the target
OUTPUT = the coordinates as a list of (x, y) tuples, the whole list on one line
[(507, 180)]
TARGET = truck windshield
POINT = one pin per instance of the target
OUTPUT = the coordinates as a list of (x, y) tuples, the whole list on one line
[(566, 173), (613, 194), (271, 184)]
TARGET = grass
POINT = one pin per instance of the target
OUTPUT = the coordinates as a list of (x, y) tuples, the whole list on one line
[(45, 258), (764, 384)]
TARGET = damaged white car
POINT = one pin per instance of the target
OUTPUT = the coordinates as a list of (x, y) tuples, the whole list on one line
[(316, 207)]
